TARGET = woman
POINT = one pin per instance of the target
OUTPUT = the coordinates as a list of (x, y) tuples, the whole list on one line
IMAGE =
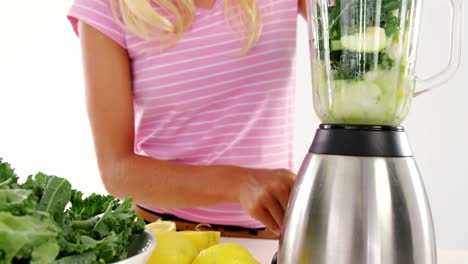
[(191, 106)]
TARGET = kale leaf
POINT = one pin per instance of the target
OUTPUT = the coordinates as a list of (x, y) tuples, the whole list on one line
[(85, 258), (55, 197), (28, 237), (8, 178), (16, 201), (44, 220), (90, 206), (37, 185)]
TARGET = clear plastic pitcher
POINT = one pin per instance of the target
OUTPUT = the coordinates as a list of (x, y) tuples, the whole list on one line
[(363, 55)]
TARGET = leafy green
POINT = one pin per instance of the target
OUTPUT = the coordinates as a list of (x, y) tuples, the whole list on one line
[(391, 24), (106, 233), (85, 258), (348, 65), (55, 197), (24, 236), (16, 201), (44, 220), (90, 206), (355, 14), (45, 253), (37, 185), (8, 178), (117, 220)]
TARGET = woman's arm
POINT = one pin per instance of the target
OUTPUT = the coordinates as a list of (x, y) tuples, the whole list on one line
[(263, 193), (302, 8)]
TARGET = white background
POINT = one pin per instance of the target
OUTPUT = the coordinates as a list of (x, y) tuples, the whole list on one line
[(44, 127)]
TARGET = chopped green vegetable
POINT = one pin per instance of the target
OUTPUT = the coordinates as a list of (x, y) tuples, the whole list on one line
[(380, 97), (44, 220), (360, 27), (371, 41), (363, 53)]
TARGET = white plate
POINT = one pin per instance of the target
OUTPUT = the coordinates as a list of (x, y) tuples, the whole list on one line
[(139, 249)]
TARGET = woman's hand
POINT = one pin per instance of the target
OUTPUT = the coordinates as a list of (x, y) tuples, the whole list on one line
[(265, 194)]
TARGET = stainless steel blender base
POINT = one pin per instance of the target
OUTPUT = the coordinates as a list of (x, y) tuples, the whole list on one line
[(358, 210)]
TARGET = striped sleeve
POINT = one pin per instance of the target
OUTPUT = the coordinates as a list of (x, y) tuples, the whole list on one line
[(97, 14)]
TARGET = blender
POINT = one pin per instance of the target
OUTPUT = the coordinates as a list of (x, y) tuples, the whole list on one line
[(359, 197)]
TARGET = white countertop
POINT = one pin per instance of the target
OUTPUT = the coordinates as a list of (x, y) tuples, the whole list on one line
[(263, 251)]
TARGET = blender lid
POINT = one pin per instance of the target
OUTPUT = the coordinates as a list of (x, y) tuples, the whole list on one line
[(361, 140)]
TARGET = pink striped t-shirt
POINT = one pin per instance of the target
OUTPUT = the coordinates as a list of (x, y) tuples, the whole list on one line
[(197, 103)]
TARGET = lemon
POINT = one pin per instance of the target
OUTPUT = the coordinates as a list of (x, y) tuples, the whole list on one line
[(172, 248), (160, 225), (202, 239), (226, 253)]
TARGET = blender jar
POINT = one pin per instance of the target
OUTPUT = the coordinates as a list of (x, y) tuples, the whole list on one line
[(363, 55)]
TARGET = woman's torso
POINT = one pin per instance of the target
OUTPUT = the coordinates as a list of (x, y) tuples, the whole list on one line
[(198, 103)]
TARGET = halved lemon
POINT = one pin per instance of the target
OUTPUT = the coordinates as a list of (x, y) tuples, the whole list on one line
[(202, 239), (161, 226), (225, 253), (173, 248)]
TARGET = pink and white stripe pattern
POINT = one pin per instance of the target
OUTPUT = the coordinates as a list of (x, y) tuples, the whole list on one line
[(199, 103)]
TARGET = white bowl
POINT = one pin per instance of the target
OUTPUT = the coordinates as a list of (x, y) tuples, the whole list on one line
[(140, 248)]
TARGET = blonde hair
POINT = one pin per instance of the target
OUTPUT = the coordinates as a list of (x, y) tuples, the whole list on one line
[(140, 18)]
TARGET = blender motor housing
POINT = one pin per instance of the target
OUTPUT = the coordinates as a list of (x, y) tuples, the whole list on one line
[(358, 199)]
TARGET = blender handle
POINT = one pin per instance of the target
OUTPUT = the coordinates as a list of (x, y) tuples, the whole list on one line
[(456, 9)]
